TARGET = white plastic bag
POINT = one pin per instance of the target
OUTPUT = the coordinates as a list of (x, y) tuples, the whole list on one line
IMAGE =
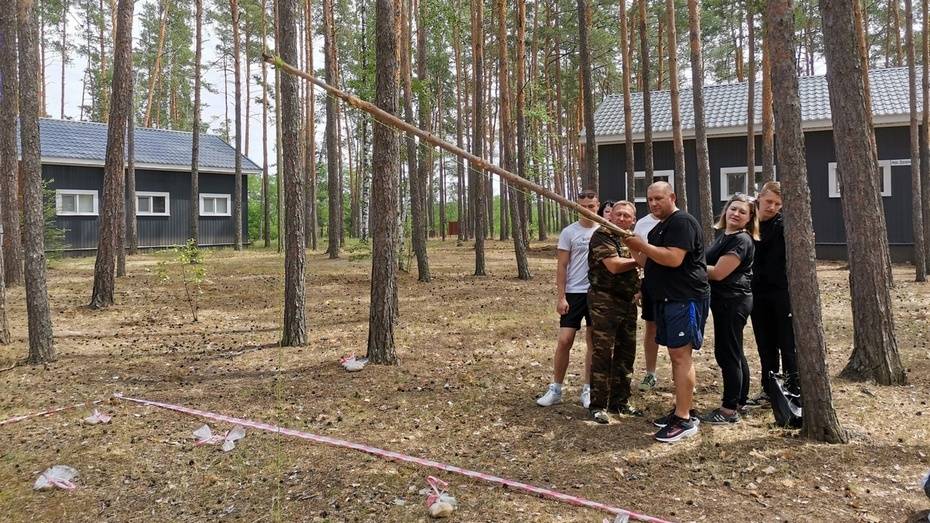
[(352, 364), (97, 417), (205, 436), (58, 476)]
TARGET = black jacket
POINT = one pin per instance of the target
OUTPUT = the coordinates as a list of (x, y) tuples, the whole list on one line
[(769, 268)]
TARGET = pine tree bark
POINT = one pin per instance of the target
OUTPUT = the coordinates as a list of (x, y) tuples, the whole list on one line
[(645, 66), (476, 174), (925, 139), (295, 315), (678, 144), (895, 30), (364, 170), (875, 351), (768, 117), (521, 199), (628, 106), (41, 345), (132, 229), (507, 141), (195, 138), (920, 262), (63, 48), (4, 324), (9, 169), (419, 177), (705, 207), (237, 68), (459, 128), (155, 73), (820, 421), (751, 97), (112, 204), (332, 140), (385, 164), (311, 229), (589, 174)]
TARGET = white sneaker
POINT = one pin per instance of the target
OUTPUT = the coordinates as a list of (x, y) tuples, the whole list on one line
[(586, 396), (553, 396)]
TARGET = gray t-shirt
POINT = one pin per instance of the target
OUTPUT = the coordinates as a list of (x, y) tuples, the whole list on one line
[(575, 239)]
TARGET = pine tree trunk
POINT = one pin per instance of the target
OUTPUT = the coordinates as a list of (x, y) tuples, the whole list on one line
[(645, 65), (248, 82), (459, 131), (628, 106), (103, 102), (266, 209), (523, 205), (112, 204), (311, 228), (9, 169), (364, 171), (507, 138), (132, 229), (195, 138), (768, 117), (332, 140), (920, 262), (419, 177), (705, 207), (4, 324), (875, 351), (751, 98), (295, 315), (820, 421), (237, 68), (678, 144), (659, 56), (155, 73), (476, 174), (385, 166), (894, 6), (925, 139), (589, 174), (64, 53)]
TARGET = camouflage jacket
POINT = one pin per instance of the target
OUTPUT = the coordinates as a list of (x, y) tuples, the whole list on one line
[(605, 245)]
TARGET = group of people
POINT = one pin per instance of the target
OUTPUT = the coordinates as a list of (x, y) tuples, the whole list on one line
[(664, 268)]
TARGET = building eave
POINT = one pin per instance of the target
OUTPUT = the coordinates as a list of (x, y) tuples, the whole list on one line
[(79, 162)]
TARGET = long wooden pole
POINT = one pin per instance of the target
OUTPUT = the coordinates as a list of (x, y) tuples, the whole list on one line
[(392, 121)]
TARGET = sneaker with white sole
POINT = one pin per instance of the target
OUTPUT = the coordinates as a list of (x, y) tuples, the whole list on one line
[(676, 430), (586, 395), (649, 382), (553, 396)]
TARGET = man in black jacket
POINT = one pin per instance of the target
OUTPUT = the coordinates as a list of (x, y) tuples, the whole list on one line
[(771, 312)]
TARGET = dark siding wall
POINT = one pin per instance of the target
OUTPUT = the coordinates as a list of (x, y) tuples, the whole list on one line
[(154, 231), (893, 144)]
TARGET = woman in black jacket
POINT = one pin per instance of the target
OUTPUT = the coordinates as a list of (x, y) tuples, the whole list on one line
[(729, 269), (771, 313)]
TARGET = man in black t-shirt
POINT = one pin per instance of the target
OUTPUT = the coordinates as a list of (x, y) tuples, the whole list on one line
[(676, 277)]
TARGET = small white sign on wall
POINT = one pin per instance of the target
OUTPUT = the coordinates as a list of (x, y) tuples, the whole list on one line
[(896, 163)]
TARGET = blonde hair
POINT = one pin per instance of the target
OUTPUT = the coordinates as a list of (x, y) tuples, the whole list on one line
[(752, 226), (774, 187)]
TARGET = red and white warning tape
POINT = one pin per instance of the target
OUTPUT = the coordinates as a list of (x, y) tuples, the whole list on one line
[(14, 419), (396, 456)]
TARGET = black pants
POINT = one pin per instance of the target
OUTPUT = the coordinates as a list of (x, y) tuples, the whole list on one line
[(771, 323), (730, 316)]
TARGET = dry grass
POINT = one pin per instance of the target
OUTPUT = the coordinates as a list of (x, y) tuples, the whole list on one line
[(474, 352)]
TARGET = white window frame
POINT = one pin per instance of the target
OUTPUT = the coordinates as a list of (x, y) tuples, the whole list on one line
[(76, 192), (153, 194), (725, 172), (227, 197), (885, 166), (670, 173)]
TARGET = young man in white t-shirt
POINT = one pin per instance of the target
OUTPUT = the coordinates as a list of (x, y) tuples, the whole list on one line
[(650, 347), (572, 303)]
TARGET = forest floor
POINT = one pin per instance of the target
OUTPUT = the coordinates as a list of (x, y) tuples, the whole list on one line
[(474, 352)]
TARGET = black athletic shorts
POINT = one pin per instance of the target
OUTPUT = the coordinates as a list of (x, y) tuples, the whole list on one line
[(577, 309), (647, 303)]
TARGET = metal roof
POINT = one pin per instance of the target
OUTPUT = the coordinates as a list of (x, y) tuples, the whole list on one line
[(725, 108), (71, 142)]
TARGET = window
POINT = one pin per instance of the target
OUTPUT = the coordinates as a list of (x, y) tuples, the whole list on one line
[(834, 181), (215, 205), (734, 180), (75, 202), (657, 176), (152, 204)]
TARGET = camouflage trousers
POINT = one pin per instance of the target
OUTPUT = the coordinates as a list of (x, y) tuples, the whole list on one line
[(613, 324)]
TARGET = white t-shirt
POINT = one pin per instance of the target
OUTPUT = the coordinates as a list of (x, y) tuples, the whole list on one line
[(644, 225), (575, 239)]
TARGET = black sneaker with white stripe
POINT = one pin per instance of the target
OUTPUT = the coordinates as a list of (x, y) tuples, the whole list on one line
[(663, 421), (676, 429)]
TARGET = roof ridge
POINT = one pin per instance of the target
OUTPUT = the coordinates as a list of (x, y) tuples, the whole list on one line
[(137, 128)]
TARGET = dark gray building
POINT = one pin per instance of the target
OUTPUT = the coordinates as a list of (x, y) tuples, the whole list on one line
[(73, 155), (725, 108)]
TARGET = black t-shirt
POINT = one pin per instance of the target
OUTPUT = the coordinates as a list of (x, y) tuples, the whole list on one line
[(688, 281), (605, 245), (769, 266), (737, 283)]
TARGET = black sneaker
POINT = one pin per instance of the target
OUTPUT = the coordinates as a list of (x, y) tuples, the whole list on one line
[(717, 417), (663, 421), (676, 429), (600, 416), (759, 401), (625, 410)]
